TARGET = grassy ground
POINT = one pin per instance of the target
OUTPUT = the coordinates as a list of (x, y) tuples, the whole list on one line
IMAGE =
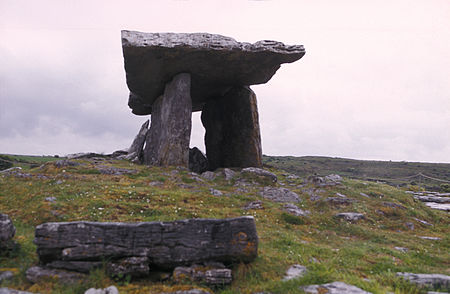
[(361, 254)]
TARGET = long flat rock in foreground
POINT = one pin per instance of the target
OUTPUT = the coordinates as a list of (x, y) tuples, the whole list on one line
[(214, 62), (163, 244)]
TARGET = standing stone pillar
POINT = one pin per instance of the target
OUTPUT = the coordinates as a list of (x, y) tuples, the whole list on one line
[(232, 136), (167, 141)]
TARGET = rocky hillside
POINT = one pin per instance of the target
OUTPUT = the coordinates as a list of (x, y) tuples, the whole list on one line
[(312, 230), (435, 176)]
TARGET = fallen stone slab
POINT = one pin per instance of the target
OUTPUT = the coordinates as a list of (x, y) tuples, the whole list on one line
[(295, 271), (279, 194), (350, 216), (135, 248), (38, 274), (428, 280), (333, 288), (152, 59)]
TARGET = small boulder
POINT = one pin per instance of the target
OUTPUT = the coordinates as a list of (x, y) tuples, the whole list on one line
[(7, 231), (228, 174), (253, 205), (109, 290), (295, 271), (197, 161), (259, 173), (333, 288), (279, 194), (294, 210), (401, 249), (350, 216), (215, 192), (7, 275), (208, 175), (393, 205)]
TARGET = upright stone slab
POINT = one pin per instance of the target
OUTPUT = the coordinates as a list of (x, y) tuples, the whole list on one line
[(232, 136), (136, 148), (167, 141)]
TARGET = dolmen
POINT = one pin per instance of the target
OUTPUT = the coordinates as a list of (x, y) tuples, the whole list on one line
[(138, 249), (172, 75)]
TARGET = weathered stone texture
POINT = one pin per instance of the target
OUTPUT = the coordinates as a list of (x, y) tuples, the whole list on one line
[(168, 139), (197, 161), (215, 63), (136, 149), (134, 248), (232, 136)]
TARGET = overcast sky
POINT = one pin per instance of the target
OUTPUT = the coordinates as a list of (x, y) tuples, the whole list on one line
[(374, 83)]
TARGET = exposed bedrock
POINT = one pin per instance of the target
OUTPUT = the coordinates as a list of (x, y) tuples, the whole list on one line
[(232, 136), (153, 59), (136, 248), (167, 141)]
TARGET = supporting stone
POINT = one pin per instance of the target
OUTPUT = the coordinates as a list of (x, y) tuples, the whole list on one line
[(232, 136), (167, 141)]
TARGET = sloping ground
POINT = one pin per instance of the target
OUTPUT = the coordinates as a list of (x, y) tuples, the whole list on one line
[(392, 172), (365, 253)]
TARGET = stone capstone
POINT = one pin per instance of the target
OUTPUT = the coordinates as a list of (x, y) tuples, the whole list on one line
[(334, 288), (167, 141), (153, 59), (232, 137), (136, 248)]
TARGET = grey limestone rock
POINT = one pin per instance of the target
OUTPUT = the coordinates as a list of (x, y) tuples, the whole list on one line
[(253, 205), (428, 280), (12, 291), (7, 275), (279, 194), (294, 210), (152, 59), (65, 163), (137, 146), (350, 216), (167, 141), (108, 290), (232, 135), (165, 244), (116, 171), (133, 266), (340, 200), (229, 174), (393, 205), (203, 274), (433, 198), (259, 172), (215, 192), (402, 249), (295, 271), (208, 175), (334, 288), (197, 161), (192, 291), (7, 229), (36, 274)]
